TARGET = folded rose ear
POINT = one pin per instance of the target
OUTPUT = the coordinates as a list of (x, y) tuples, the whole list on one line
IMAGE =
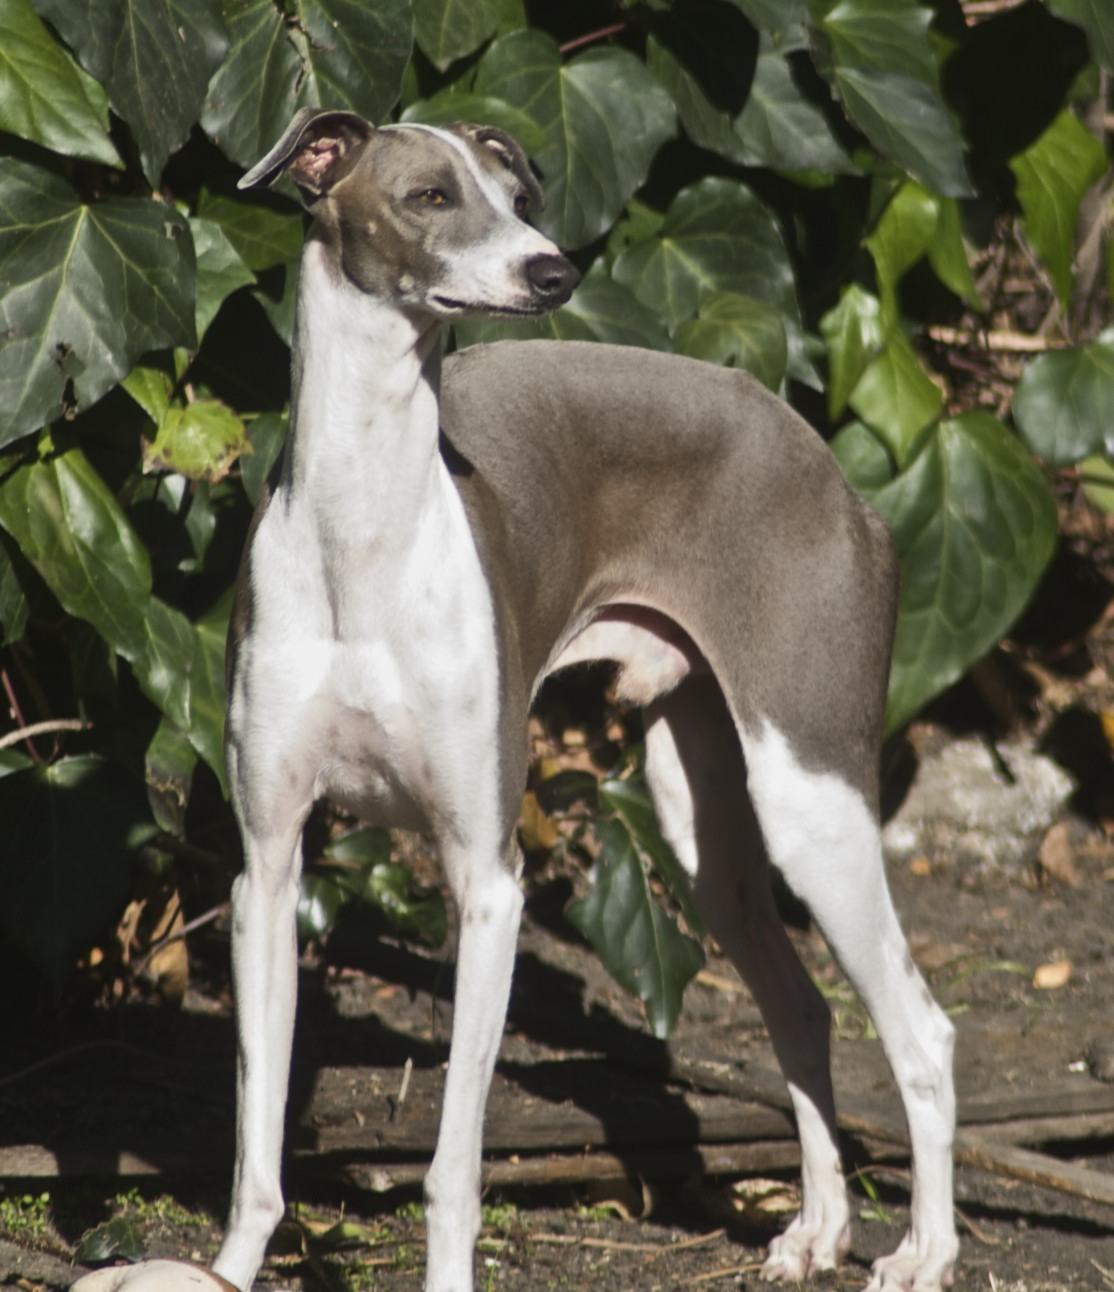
[(315, 150)]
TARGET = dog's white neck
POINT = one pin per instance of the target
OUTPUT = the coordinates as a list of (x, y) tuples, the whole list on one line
[(363, 444)]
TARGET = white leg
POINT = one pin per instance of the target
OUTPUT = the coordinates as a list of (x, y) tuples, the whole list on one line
[(265, 975), (696, 774), (489, 904), (825, 840)]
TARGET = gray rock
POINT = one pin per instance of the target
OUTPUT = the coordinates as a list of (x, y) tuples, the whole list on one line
[(979, 806)]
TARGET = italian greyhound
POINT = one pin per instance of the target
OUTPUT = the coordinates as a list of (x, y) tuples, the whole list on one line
[(438, 544)]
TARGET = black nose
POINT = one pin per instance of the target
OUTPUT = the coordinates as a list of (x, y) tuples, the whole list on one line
[(552, 278)]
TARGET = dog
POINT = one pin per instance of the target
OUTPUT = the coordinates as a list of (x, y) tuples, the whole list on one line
[(437, 544)]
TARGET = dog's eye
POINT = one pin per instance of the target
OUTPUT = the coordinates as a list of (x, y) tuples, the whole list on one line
[(521, 204), (433, 197)]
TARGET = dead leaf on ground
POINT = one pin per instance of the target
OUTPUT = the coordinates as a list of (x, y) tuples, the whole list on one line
[(1057, 857), (1049, 977)]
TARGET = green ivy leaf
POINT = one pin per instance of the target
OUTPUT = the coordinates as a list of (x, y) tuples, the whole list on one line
[(448, 29), (267, 435), (1063, 401), (207, 694), (335, 54), (907, 122), (639, 944), (453, 104), (1052, 177), (84, 291), (604, 116), (44, 96), (853, 333), (774, 15), (975, 525), (155, 58), (630, 800), (163, 666), (716, 237), (881, 35), (905, 234), (1097, 19), (896, 397), (737, 332), (70, 833), (200, 441), (220, 270), (600, 310), (170, 762), (14, 607), (72, 530), (262, 234), (780, 127)]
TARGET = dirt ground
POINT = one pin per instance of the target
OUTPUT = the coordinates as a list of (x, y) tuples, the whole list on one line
[(159, 1085)]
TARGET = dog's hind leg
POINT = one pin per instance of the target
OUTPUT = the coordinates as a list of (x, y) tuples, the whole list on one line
[(489, 904), (695, 770), (824, 838)]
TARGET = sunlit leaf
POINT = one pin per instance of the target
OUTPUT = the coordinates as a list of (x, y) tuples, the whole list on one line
[(200, 441), (853, 333), (896, 397), (1052, 177), (44, 96)]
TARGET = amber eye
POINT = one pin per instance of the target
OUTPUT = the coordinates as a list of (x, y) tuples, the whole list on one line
[(433, 197), (520, 204)]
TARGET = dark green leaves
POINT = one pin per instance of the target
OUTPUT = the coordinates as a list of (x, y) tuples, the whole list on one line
[(334, 53), (717, 236), (641, 946), (604, 118), (154, 57), (881, 63), (448, 29), (84, 291)]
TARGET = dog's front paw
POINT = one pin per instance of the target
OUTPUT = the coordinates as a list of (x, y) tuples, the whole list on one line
[(806, 1249), (153, 1276)]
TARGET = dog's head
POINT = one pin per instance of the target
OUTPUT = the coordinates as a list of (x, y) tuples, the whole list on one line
[(429, 217)]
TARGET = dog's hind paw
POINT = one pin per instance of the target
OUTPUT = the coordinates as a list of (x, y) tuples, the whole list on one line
[(153, 1276), (806, 1249), (915, 1267)]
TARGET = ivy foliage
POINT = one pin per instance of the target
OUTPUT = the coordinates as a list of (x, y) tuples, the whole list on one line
[(790, 186)]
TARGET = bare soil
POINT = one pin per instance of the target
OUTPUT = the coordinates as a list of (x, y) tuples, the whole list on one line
[(147, 1089)]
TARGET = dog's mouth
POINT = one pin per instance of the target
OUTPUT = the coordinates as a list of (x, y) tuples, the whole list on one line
[(488, 310)]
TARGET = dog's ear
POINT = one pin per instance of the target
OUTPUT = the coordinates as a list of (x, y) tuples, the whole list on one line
[(510, 153), (317, 148)]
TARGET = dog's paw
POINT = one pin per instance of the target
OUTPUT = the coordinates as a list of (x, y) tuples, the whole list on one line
[(153, 1276), (916, 1267), (806, 1249)]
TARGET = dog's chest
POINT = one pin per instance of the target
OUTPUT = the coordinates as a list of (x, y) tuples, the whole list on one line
[(384, 659)]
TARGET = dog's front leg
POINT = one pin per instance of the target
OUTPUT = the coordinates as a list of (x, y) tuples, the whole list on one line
[(265, 969), (489, 904)]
